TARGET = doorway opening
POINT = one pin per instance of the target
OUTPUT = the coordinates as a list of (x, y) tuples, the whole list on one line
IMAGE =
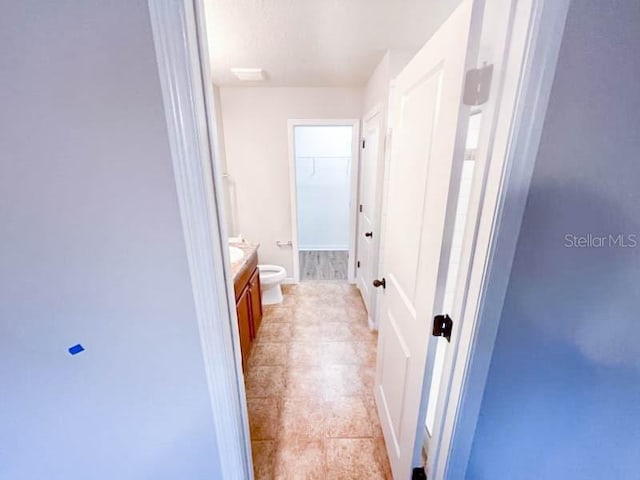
[(323, 166), (423, 105)]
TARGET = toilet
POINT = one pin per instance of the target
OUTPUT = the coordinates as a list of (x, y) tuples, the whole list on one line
[(271, 276)]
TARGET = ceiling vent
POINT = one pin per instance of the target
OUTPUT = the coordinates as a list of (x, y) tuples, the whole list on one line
[(249, 74)]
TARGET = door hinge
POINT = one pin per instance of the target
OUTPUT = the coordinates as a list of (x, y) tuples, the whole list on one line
[(419, 474), (360, 208), (442, 326), (363, 143), (358, 264), (477, 84)]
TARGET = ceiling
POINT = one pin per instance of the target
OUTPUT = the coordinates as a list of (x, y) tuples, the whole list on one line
[(315, 42)]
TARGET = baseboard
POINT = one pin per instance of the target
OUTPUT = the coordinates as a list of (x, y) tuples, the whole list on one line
[(289, 281), (323, 248)]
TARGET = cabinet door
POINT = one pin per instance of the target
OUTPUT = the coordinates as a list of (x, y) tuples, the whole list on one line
[(256, 302), (243, 307)]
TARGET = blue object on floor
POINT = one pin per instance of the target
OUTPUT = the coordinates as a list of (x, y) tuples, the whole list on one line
[(76, 349)]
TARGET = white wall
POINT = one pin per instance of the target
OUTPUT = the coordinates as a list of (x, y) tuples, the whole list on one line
[(256, 142), (221, 158), (323, 186), (92, 253), (376, 95), (562, 399), (376, 90)]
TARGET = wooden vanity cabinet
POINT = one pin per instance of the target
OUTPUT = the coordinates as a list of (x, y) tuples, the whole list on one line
[(243, 308), (248, 305), (256, 303)]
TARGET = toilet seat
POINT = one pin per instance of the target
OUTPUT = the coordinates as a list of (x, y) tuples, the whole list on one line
[(271, 273)]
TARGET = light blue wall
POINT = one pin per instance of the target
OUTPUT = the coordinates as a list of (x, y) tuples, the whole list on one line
[(91, 252), (562, 399)]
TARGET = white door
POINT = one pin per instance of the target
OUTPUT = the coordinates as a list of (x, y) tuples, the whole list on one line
[(429, 133), (368, 211)]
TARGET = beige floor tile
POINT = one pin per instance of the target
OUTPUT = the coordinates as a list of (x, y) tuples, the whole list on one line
[(264, 417), (349, 353), (342, 381), (274, 332), (374, 419), (357, 314), (361, 332), (304, 381), (339, 313), (288, 289), (355, 301), (370, 357), (351, 291), (300, 459), (278, 314), (354, 459), (304, 315), (309, 387), (288, 300), (265, 381), (322, 289), (383, 458), (307, 332), (302, 417), (307, 316), (269, 354), (337, 332), (368, 375), (327, 306), (360, 353), (305, 353), (264, 456), (347, 417), (341, 353)]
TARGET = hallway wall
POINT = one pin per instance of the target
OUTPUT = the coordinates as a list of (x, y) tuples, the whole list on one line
[(92, 252), (562, 399)]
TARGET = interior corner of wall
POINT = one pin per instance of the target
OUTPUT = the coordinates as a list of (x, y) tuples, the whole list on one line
[(398, 59)]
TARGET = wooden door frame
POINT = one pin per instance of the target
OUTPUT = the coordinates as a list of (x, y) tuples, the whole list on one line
[(353, 197), (380, 110), (183, 63)]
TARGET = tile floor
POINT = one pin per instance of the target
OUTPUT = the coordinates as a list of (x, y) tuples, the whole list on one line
[(310, 388)]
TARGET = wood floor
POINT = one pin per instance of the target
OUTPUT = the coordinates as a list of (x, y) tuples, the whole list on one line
[(309, 385), (323, 265)]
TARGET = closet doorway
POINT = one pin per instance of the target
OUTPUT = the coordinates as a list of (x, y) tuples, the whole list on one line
[(323, 157)]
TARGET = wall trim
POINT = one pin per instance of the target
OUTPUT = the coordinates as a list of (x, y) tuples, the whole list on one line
[(180, 42), (323, 248), (378, 110)]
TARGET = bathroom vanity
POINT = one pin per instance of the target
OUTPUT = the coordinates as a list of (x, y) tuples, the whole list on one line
[(246, 284)]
